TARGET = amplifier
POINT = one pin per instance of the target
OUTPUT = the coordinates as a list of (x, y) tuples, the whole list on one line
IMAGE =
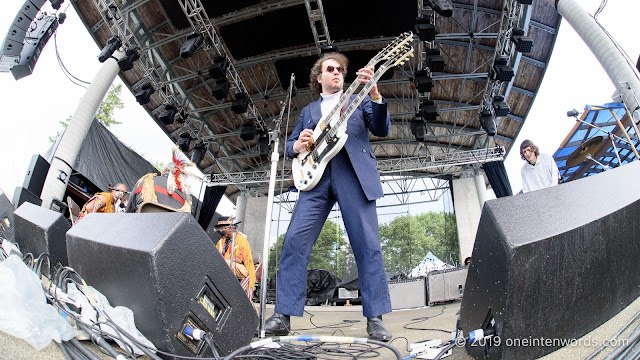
[(408, 294), (446, 285)]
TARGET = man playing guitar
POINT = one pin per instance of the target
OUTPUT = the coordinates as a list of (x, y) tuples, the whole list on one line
[(352, 179)]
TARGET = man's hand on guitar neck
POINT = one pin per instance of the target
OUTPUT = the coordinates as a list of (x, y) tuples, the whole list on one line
[(304, 140), (365, 75)]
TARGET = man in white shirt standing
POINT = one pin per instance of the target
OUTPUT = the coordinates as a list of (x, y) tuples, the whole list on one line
[(539, 171)]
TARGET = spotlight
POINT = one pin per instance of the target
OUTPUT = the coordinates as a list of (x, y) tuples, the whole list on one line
[(419, 128), (435, 61), (428, 110), (183, 142), (573, 113), (112, 45), (218, 69), (248, 131), (56, 4), (425, 30), (502, 71), (168, 115), (182, 115), (144, 95), (191, 45), (240, 104), (221, 90), (488, 122), (324, 49), (423, 81), (126, 63), (198, 152), (500, 106), (442, 7), (523, 43), (263, 143)]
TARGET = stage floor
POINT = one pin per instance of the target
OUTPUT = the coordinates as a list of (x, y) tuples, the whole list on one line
[(407, 326)]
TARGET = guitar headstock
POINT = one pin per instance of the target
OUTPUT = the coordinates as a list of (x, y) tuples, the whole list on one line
[(396, 45), (398, 56)]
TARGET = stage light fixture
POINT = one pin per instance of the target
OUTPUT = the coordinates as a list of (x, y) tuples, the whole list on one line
[(502, 71), (419, 128), (191, 45), (442, 7), (248, 130), (198, 152), (218, 69), (144, 95), (435, 61), (221, 90), (240, 104), (425, 30), (264, 148), (126, 63), (500, 106), (428, 110), (423, 81), (488, 122), (573, 113), (329, 48), (183, 142), (56, 4), (181, 116), (112, 45), (523, 43), (168, 115)]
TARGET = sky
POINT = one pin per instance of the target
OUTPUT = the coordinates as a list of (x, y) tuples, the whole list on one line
[(34, 105)]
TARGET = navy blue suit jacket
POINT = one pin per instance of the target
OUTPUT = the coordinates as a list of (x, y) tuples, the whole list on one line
[(369, 116)]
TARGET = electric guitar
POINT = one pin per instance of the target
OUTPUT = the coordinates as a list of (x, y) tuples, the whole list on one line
[(330, 135)]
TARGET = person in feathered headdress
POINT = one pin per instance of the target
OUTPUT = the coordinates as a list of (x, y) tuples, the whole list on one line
[(170, 188)]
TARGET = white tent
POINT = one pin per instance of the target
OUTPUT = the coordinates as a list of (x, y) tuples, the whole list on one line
[(428, 264)]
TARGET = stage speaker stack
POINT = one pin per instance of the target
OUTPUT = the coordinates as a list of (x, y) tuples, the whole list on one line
[(554, 264), (39, 230), (446, 285), (6, 218), (164, 267), (36, 174), (408, 294)]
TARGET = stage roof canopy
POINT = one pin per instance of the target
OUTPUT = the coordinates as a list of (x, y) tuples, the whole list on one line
[(267, 41)]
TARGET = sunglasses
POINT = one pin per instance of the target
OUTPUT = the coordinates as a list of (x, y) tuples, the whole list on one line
[(331, 68)]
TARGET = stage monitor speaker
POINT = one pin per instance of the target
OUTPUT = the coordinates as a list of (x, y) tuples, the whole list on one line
[(164, 268), (39, 230), (6, 218), (554, 264), (22, 195), (36, 174)]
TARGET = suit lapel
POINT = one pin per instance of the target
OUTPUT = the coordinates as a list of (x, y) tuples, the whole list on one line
[(316, 113)]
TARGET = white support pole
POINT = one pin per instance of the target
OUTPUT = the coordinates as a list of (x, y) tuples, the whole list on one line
[(613, 62), (65, 156)]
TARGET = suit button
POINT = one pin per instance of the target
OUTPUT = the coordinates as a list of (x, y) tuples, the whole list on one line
[(364, 151)]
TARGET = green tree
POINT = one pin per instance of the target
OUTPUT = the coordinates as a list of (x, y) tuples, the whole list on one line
[(327, 253), (105, 113), (407, 239)]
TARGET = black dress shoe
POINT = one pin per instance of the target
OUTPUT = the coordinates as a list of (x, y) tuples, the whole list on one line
[(376, 329), (278, 325)]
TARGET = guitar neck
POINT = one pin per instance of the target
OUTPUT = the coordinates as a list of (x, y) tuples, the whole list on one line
[(361, 95)]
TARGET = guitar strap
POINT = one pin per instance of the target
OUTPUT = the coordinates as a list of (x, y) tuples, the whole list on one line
[(343, 106)]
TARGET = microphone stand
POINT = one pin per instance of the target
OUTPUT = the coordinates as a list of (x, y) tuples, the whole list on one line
[(275, 156)]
